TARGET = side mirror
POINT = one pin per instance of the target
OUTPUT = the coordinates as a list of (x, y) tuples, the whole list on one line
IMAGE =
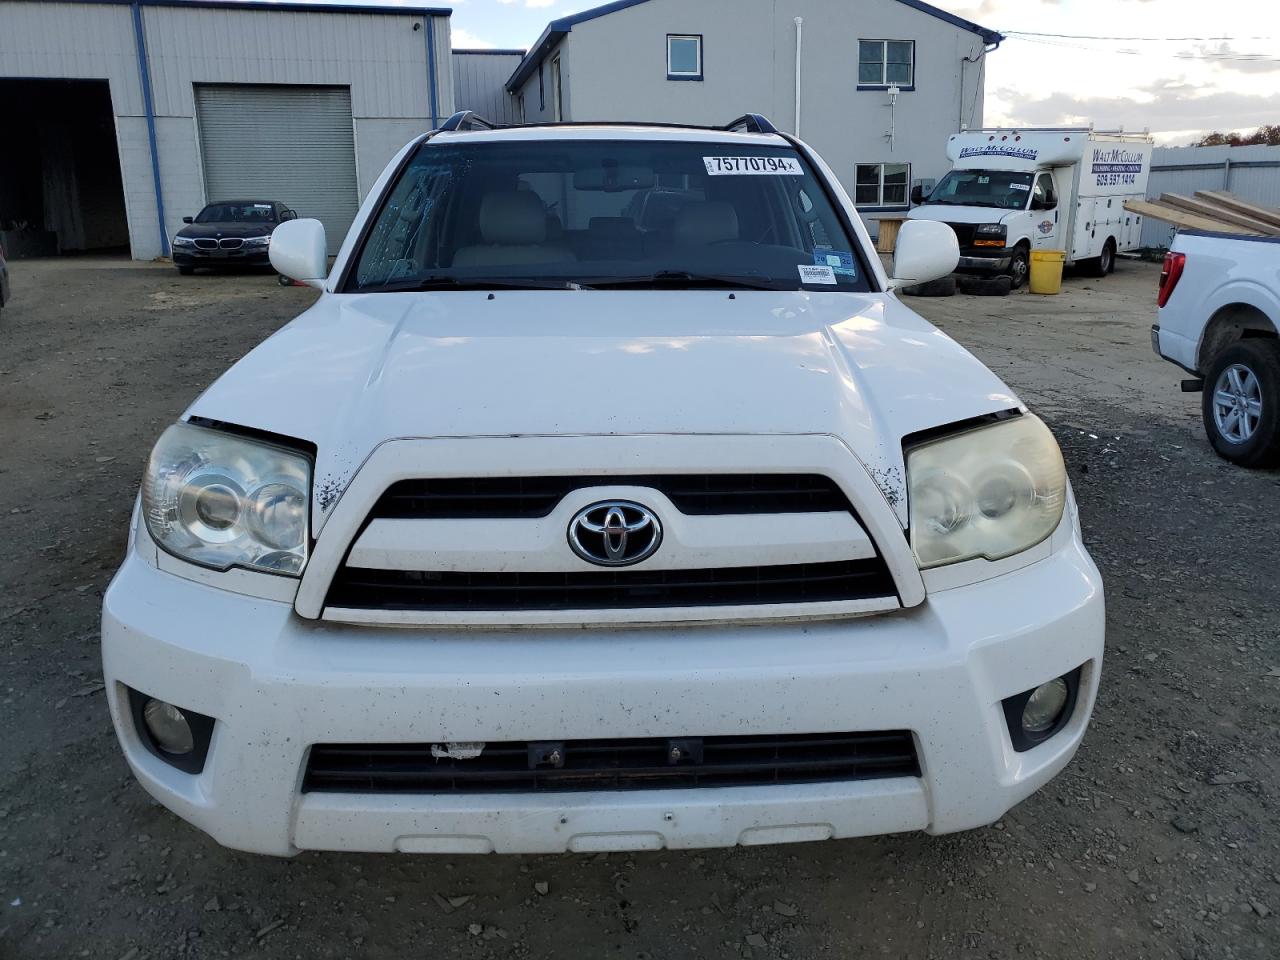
[(918, 194), (926, 250), (299, 251), (188, 219), (288, 215)]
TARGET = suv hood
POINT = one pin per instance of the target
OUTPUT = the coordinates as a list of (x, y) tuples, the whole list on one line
[(357, 370), (946, 213)]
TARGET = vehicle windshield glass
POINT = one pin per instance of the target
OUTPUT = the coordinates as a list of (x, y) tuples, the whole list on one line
[(237, 213), (1006, 189), (599, 213)]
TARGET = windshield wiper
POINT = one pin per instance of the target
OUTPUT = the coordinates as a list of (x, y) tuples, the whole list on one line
[(424, 284), (684, 280)]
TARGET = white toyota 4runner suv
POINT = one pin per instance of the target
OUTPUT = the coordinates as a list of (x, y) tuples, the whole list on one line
[(547, 530)]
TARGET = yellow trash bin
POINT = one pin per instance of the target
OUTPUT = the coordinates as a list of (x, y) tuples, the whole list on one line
[(1046, 271)]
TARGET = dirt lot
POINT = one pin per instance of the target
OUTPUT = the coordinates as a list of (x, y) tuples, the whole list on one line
[(1161, 840)]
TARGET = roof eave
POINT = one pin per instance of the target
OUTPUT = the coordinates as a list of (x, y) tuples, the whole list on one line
[(988, 36)]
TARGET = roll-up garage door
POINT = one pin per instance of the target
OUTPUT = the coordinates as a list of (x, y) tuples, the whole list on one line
[(292, 144)]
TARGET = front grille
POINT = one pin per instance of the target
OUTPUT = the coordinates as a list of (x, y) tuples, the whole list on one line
[(360, 589), (231, 243), (207, 243), (638, 764), (964, 233), (532, 497)]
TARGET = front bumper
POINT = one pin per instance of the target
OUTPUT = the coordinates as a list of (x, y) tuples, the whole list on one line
[(277, 683), (195, 257), (991, 261)]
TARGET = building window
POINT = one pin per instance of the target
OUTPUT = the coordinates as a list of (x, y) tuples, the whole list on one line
[(882, 184), (557, 92), (684, 57), (886, 63)]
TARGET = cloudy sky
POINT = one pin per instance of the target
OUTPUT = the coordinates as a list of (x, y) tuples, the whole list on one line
[(1177, 67)]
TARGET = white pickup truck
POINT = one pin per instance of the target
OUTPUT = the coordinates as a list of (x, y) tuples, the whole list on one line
[(546, 529), (1219, 313)]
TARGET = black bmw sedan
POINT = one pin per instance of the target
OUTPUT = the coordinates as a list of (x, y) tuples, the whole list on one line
[(229, 233)]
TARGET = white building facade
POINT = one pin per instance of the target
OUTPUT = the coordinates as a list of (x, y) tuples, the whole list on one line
[(876, 86), (135, 113)]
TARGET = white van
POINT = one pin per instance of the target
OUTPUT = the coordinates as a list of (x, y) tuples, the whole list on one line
[(1063, 188)]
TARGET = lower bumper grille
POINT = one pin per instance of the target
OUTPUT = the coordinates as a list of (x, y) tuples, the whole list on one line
[(638, 764), (360, 589)]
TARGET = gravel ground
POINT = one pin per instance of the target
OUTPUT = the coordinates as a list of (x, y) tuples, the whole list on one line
[(1161, 840)]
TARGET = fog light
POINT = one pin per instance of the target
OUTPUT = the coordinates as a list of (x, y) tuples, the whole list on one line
[(1041, 713), (169, 728), (1044, 706)]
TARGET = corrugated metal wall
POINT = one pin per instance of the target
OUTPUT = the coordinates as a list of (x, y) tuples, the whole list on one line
[(1251, 173), (381, 58), (479, 82)]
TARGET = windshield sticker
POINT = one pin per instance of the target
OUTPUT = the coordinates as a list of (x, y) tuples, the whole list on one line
[(840, 261), (1019, 186), (753, 167), (817, 274)]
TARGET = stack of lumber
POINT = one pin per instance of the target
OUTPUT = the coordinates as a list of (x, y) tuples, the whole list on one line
[(1212, 210)]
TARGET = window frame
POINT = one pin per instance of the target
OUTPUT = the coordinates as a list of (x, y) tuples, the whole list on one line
[(702, 65), (880, 205), (885, 83), (557, 90)]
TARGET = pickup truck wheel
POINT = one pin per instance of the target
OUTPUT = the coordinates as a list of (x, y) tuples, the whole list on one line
[(1019, 266), (1241, 403)]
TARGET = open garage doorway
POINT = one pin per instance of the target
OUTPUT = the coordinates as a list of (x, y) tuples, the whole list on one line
[(60, 187)]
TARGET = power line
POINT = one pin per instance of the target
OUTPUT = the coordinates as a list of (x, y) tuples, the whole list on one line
[(1085, 36), (1208, 56)]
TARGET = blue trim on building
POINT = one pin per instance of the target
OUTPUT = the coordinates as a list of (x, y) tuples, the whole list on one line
[(148, 105), (990, 36), (557, 30), (431, 71), (283, 5), (882, 87), (487, 52)]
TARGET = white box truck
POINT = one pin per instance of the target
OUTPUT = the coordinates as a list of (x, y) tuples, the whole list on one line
[(1062, 188)]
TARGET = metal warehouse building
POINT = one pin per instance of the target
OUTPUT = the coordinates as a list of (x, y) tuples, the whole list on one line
[(120, 117)]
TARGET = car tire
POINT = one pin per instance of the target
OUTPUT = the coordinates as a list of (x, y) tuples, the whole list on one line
[(942, 287), (1241, 403), (988, 286), (185, 270), (1019, 266)]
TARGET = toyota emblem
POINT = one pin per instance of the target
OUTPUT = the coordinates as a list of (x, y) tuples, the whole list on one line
[(616, 533)]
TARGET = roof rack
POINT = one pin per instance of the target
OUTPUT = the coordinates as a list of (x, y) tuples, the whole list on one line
[(467, 120), (751, 123)]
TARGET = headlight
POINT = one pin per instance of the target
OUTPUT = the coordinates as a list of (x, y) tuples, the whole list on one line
[(990, 492), (223, 501), (990, 235), (257, 241), (183, 242)]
